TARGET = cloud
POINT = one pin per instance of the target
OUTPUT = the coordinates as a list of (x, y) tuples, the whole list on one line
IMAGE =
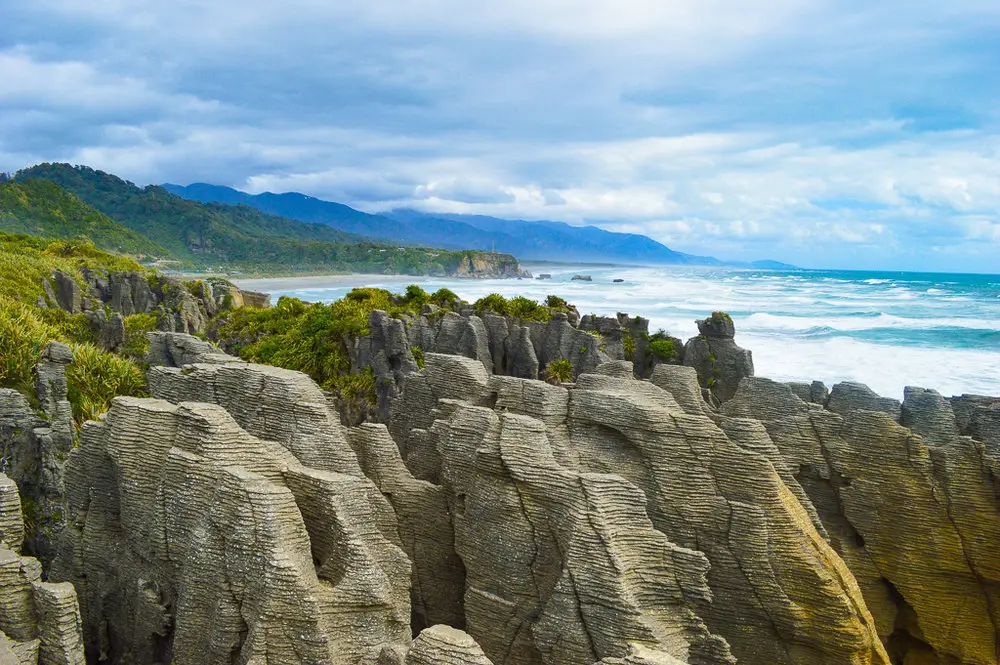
[(812, 131)]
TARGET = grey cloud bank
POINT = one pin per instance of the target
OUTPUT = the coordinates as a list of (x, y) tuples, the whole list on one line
[(818, 133)]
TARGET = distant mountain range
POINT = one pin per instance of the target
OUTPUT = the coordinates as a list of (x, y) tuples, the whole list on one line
[(527, 240), (64, 202)]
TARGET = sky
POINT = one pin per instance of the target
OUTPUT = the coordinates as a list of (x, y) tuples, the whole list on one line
[(826, 134)]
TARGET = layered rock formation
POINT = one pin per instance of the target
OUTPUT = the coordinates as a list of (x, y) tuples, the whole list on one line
[(39, 621), (106, 297), (911, 507), (492, 518), (34, 444), (509, 346)]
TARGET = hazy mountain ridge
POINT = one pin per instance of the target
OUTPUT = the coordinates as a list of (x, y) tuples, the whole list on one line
[(65, 201), (528, 240)]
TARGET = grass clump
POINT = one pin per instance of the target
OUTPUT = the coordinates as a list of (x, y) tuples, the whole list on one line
[(559, 371), (23, 334), (308, 337), (96, 377), (26, 261), (418, 356), (628, 342)]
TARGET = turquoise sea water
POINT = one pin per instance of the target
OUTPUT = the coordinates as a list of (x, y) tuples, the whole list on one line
[(886, 329)]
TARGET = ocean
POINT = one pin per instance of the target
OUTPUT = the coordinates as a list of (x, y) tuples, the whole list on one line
[(886, 329)]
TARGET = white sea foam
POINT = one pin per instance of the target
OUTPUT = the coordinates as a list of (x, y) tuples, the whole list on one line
[(904, 325)]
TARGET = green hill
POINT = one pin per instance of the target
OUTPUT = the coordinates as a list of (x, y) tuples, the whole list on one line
[(43, 209), (208, 235), (202, 234)]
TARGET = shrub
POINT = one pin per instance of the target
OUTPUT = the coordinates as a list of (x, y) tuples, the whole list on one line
[(136, 343), (445, 298), (662, 347), (68, 327), (310, 338), (96, 377), (23, 334), (494, 302), (357, 386), (629, 343), (416, 295), (557, 303), (559, 371), (418, 356), (527, 309)]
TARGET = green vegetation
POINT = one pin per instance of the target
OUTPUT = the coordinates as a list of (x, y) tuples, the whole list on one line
[(557, 304), (662, 347), (722, 315), (95, 376), (241, 237), (628, 342), (22, 336), (519, 307), (136, 343), (26, 261), (418, 356), (310, 338), (42, 208), (559, 371)]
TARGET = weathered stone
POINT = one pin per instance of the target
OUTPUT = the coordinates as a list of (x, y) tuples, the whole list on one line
[(519, 353), (425, 528), (443, 645), (465, 336), (692, 474), (228, 547), (39, 621), (720, 363), (565, 585), (68, 292), (848, 396), (178, 349)]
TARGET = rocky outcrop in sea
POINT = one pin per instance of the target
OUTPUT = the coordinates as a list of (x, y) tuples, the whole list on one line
[(656, 513)]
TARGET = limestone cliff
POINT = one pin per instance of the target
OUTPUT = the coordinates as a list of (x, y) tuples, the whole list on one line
[(495, 519), (39, 621), (105, 297)]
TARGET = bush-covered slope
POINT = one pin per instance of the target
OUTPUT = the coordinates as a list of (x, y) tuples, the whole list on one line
[(242, 237), (201, 233), (95, 377), (42, 208)]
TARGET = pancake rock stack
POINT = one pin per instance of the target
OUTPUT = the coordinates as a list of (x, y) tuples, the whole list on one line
[(39, 621), (495, 519)]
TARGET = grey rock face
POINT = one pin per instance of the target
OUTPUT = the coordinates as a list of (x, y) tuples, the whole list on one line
[(464, 336), (511, 450), (720, 363), (849, 396), (178, 307), (68, 293), (34, 445), (39, 621), (228, 548), (910, 509), (178, 349), (561, 341), (391, 359), (443, 645)]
